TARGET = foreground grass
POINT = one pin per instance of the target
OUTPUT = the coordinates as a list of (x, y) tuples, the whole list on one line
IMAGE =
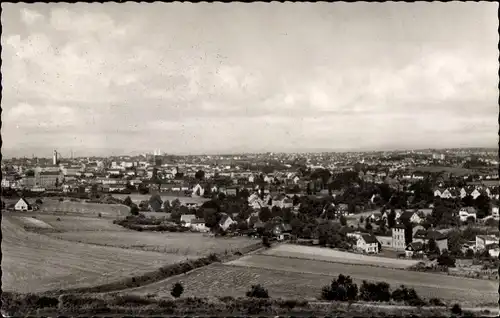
[(70, 305)]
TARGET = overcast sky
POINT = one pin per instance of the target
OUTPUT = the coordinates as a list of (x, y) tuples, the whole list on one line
[(208, 78)]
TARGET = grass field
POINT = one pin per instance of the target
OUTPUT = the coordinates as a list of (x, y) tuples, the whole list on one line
[(457, 171), (304, 278), (70, 223), (83, 208), (34, 262), (329, 255), (185, 244)]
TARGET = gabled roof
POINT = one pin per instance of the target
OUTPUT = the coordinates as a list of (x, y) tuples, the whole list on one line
[(198, 221), (188, 217), (415, 246), (25, 201), (369, 239)]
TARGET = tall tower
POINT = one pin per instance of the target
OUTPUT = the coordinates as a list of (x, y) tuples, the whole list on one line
[(54, 158)]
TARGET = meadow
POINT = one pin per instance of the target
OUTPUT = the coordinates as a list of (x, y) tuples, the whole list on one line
[(84, 208), (34, 262), (304, 278), (184, 244), (330, 255)]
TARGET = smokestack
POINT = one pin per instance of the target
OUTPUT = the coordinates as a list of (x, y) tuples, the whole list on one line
[(54, 158)]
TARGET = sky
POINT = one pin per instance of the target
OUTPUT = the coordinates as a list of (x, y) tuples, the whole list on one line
[(102, 79)]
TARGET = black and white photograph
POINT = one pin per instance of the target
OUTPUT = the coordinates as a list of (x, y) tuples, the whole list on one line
[(259, 159)]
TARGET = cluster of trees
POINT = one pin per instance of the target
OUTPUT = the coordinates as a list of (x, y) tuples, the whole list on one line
[(344, 289)]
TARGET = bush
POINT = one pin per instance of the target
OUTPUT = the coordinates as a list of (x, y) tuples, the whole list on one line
[(134, 210), (257, 291), (437, 302), (99, 215), (407, 295), (341, 289), (177, 290), (456, 309), (61, 199), (375, 291), (39, 201), (446, 260)]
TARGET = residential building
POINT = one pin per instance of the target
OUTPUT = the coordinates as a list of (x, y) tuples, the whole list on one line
[(186, 219), (366, 243), (410, 216), (424, 236), (199, 225), (483, 240), (466, 212), (226, 222), (22, 205), (414, 248), (398, 237)]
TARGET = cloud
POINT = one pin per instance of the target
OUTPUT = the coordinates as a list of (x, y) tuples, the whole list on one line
[(151, 79), (30, 17)]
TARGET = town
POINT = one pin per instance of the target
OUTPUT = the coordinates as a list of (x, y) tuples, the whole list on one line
[(396, 201)]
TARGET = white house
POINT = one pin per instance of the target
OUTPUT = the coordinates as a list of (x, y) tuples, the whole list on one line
[(187, 219), (22, 205), (494, 212), (467, 212), (199, 225), (198, 191), (226, 222), (483, 240), (365, 242), (437, 193), (475, 194), (446, 194)]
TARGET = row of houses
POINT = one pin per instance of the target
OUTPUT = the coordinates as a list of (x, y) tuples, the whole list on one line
[(473, 191)]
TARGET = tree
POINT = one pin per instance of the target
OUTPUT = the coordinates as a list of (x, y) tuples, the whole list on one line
[(456, 309), (127, 201), (340, 289), (432, 246), (361, 219), (134, 210), (57, 183), (200, 175), (38, 201), (391, 219), (368, 225), (166, 206), (446, 260), (29, 173), (211, 217), (155, 202), (176, 204), (177, 290), (343, 220), (265, 214), (257, 291), (265, 241)]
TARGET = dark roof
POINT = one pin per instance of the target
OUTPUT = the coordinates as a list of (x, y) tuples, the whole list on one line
[(435, 235), (369, 239), (406, 215), (415, 246), (198, 221), (399, 226), (420, 234)]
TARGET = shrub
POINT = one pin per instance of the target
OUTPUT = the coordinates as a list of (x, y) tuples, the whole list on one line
[(58, 219), (39, 201), (177, 290), (99, 214), (61, 199), (437, 302), (375, 291), (446, 260), (341, 289), (257, 291), (456, 309), (134, 210)]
